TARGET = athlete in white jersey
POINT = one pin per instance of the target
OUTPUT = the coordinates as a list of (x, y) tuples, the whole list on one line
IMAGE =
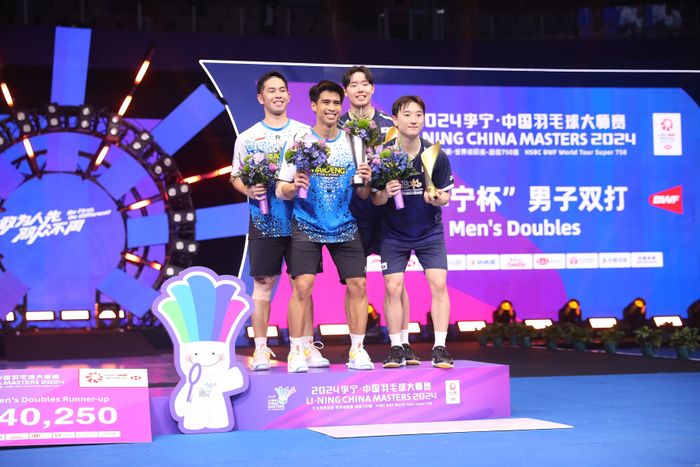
[(269, 235)]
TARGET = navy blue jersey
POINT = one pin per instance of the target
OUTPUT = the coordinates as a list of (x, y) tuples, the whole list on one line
[(418, 220), (366, 213)]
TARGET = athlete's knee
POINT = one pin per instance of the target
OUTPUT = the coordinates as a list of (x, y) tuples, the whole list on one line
[(262, 288), (394, 287), (357, 286), (303, 286)]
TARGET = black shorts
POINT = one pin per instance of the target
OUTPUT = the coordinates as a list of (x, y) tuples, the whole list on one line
[(432, 254), (266, 255), (348, 258), (371, 236)]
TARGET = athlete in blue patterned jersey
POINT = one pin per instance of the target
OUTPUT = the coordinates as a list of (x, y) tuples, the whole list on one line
[(269, 235), (417, 227), (359, 88), (324, 218)]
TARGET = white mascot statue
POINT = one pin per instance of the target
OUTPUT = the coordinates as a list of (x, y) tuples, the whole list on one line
[(203, 314)]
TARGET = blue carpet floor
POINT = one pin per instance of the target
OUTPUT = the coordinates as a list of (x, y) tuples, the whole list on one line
[(640, 420)]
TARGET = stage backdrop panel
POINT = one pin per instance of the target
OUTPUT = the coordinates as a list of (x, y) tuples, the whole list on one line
[(561, 191)]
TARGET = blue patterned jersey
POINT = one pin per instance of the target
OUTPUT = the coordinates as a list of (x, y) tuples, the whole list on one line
[(366, 213), (263, 138), (324, 216)]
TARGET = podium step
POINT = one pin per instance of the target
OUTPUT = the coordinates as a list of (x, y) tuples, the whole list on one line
[(337, 396)]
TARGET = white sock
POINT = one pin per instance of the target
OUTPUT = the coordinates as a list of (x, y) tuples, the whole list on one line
[(260, 342), (395, 339), (308, 341), (296, 343), (357, 340), (404, 336), (440, 338)]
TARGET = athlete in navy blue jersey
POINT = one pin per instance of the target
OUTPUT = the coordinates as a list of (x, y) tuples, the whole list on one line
[(324, 218), (359, 88), (269, 235), (417, 227)]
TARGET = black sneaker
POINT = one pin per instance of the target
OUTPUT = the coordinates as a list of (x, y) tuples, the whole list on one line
[(396, 358), (410, 355), (441, 358)]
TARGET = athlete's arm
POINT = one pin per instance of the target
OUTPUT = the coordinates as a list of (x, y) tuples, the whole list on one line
[(381, 197), (288, 190), (364, 171), (254, 192), (441, 198)]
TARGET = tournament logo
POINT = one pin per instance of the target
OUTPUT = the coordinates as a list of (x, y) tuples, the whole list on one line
[(670, 199), (279, 401), (668, 140), (93, 378)]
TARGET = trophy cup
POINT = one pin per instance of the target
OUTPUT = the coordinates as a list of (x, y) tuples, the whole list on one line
[(428, 159), (391, 134), (359, 156)]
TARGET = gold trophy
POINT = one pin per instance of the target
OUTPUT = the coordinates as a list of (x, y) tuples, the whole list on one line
[(428, 159), (393, 133)]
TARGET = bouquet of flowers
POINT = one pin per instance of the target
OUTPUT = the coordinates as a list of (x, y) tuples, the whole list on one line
[(260, 168), (308, 155), (367, 130), (389, 164)]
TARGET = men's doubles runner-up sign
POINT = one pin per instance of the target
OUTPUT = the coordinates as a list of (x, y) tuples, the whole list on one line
[(74, 406)]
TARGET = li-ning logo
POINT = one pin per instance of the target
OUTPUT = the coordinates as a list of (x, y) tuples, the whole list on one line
[(669, 200), (31, 227), (279, 402)]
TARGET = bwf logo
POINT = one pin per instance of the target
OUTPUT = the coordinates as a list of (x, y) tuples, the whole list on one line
[(669, 200)]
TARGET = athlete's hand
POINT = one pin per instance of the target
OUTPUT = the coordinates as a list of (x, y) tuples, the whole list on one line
[(393, 188), (436, 199), (364, 171), (257, 192), (301, 180)]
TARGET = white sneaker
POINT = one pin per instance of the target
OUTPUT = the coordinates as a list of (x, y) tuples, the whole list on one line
[(313, 357), (296, 363), (359, 360), (261, 359)]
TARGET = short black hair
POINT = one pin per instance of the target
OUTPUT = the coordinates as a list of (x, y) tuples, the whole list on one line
[(325, 85), (270, 74), (403, 101), (357, 69)]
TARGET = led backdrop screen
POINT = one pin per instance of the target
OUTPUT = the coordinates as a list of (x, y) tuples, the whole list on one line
[(567, 185)]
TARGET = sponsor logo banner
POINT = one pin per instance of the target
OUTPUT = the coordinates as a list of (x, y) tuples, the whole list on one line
[(516, 261), (647, 259), (549, 261), (614, 260), (483, 263), (582, 260)]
